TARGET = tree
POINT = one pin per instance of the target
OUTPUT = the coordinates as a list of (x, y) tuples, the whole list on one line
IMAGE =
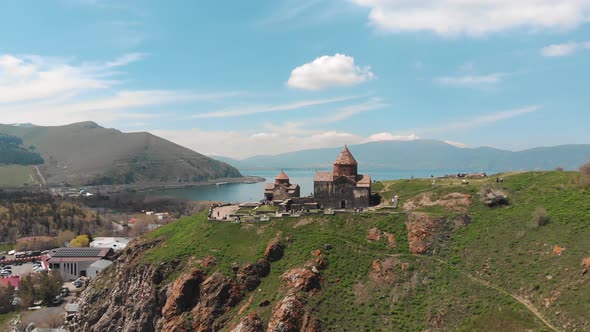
[(80, 241), (6, 296), (42, 286), (65, 236)]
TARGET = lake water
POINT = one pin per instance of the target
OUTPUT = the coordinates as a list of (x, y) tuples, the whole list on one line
[(243, 192)]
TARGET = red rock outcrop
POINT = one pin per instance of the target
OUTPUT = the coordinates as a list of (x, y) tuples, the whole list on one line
[(218, 295), (183, 294), (374, 234), (302, 280), (557, 250), (251, 323), (421, 229), (288, 315)]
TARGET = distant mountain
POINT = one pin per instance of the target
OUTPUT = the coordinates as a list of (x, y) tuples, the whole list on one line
[(88, 154), (427, 155)]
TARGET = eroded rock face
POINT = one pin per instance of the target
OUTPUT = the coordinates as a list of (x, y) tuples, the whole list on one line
[(421, 228), (126, 297), (274, 250), (218, 295), (251, 323), (288, 315), (302, 280), (184, 294)]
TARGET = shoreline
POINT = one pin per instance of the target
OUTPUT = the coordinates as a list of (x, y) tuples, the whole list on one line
[(144, 187)]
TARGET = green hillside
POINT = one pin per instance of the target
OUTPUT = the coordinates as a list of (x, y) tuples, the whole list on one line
[(87, 154), (461, 266), (12, 152)]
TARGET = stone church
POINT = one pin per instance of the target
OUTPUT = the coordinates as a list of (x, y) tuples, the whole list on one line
[(343, 188), (281, 189)]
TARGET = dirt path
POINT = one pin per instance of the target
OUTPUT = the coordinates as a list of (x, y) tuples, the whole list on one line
[(530, 307), (40, 176)]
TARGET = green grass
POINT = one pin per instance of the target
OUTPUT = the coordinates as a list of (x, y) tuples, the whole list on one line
[(7, 247), (501, 246), (5, 319), (17, 176)]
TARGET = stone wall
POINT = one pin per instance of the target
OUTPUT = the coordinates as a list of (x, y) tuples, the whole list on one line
[(341, 193)]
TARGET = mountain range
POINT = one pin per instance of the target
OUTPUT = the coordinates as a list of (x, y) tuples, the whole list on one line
[(426, 155), (88, 154)]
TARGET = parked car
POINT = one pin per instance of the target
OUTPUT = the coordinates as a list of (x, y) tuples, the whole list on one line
[(78, 283), (65, 291), (5, 273), (12, 252), (57, 299)]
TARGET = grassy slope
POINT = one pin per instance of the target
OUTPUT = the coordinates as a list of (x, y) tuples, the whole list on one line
[(82, 152), (16, 176), (500, 246)]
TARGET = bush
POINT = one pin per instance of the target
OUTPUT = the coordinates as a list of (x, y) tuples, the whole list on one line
[(540, 217), (583, 180), (80, 241)]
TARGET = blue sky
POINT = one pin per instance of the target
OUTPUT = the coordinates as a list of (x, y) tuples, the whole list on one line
[(240, 78)]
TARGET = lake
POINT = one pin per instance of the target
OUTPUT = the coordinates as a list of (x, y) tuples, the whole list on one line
[(252, 192)]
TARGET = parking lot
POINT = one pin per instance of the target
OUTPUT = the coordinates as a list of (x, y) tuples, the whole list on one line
[(21, 268)]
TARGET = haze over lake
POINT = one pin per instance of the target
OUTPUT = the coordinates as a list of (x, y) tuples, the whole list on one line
[(250, 192)]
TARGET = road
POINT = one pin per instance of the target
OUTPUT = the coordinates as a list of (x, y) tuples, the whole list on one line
[(41, 176)]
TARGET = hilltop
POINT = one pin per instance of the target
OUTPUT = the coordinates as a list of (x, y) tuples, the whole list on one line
[(428, 155), (449, 258), (88, 154)]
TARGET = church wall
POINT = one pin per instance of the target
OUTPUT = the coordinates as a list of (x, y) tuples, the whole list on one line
[(331, 195)]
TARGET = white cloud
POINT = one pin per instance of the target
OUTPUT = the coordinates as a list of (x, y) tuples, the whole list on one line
[(564, 49), (346, 112), (471, 80), (245, 145), (329, 71), (55, 91), (391, 137), (475, 17), (271, 108), (481, 121)]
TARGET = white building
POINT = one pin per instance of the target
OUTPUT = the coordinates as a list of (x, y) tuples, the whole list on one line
[(95, 268), (75, 262), (115, 243)]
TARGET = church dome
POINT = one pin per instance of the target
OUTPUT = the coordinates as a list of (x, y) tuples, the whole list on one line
[(282, 176), (345, 158)]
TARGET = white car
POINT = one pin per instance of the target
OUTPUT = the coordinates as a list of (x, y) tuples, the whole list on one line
[(12, 252)]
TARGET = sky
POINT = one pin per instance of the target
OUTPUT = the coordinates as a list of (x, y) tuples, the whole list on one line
[(244, 78)]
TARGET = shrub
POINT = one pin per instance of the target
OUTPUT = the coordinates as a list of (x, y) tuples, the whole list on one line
[(80, 241), (540, 217)]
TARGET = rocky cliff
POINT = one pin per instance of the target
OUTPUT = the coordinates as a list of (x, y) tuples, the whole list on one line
[(137, 296)]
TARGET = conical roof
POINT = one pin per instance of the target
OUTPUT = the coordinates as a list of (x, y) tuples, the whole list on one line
[(282, 176), (345, 158)]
